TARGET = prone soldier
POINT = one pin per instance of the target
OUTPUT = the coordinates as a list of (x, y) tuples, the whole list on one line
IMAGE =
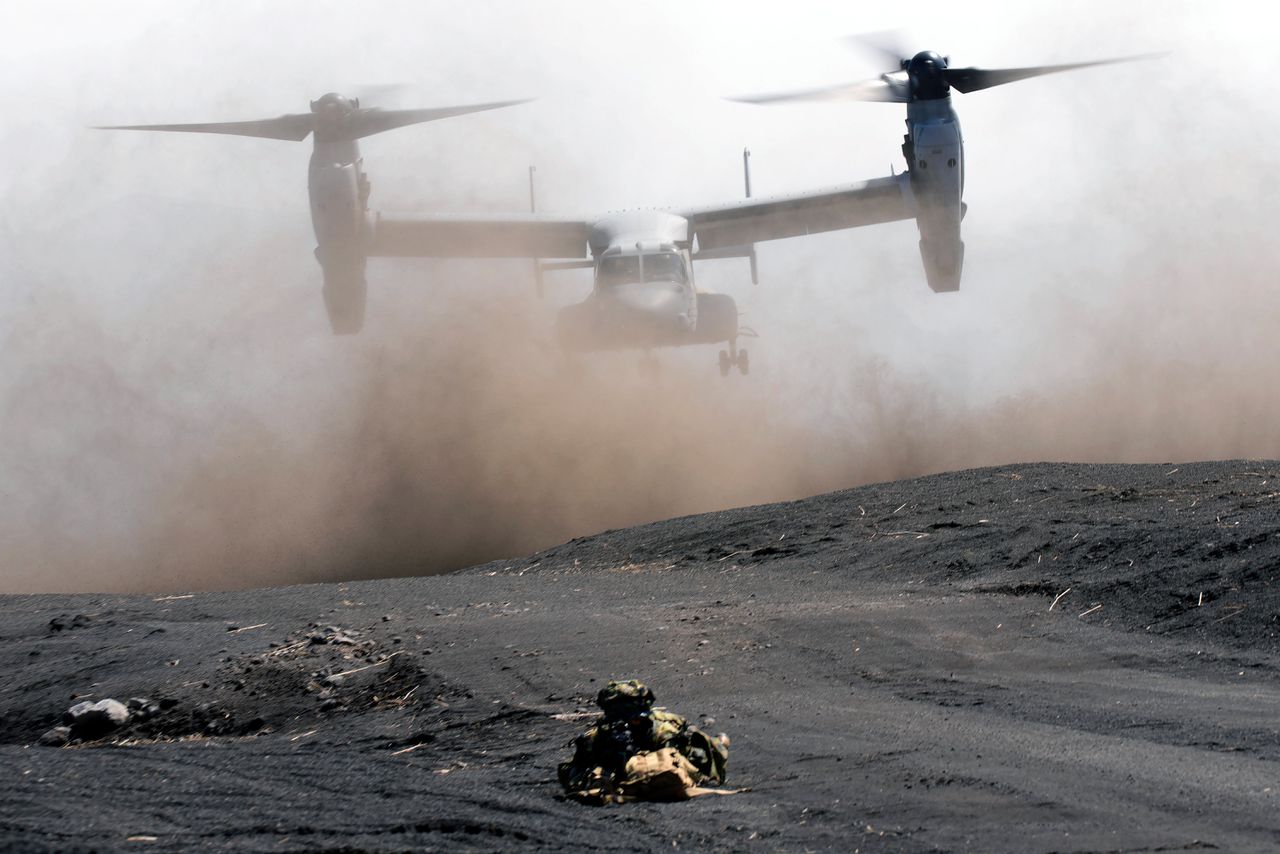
[(636, 751)]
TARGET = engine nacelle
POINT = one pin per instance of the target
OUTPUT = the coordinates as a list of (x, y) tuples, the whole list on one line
[(345, 292), (935, 152), (339, 195), (943, 263), (339, 215)]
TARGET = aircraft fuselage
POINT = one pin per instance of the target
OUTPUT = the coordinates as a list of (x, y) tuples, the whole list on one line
[(644, 295)]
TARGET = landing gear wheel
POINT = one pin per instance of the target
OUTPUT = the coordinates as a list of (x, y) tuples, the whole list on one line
[(725, 363), (744, 364)]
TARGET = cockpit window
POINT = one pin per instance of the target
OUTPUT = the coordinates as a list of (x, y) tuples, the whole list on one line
[(664, 267), (617, 270)]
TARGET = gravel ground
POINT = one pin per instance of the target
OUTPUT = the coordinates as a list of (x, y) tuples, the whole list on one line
[(1033, 658)]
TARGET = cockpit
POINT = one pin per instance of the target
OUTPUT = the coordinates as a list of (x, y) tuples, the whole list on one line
[(663, 266)]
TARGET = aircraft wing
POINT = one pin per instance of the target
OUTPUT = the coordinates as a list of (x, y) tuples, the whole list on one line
[(477, 236), (754, 220)]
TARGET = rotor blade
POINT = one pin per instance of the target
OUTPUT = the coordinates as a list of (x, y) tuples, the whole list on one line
[(368, 122), (891, 88), (886, 45), (974, 79), (292, 127)]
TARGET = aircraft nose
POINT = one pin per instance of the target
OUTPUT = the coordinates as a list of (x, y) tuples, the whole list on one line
[(650, 298), (656, 304)]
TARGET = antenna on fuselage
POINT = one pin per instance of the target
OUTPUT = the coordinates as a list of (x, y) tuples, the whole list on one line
[(746, 182), (533, 208)]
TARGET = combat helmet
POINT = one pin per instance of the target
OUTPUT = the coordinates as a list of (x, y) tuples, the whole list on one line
[(624, 699)]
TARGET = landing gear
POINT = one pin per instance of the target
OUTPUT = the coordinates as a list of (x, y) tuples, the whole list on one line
[(732, 357)]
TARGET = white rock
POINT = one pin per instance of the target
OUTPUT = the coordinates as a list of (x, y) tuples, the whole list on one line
[(93, 720)]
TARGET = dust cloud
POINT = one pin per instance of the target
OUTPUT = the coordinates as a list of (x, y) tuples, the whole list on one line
[(175, 415)]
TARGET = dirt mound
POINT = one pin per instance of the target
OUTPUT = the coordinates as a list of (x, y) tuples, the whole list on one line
[(312, 676), (1183, 549)]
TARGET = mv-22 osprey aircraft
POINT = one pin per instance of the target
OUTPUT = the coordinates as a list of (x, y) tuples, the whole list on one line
[(644, 294)]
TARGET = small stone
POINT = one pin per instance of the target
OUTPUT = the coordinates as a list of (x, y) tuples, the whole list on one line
[(212, 719), (56, 737), (142, 709)]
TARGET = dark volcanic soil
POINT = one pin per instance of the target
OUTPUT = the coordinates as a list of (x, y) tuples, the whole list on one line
[(886, 660)]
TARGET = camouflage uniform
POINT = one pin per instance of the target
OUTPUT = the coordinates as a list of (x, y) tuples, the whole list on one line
[(629, 726)]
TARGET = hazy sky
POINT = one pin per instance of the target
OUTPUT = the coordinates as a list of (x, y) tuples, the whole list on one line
[(160, 313)]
